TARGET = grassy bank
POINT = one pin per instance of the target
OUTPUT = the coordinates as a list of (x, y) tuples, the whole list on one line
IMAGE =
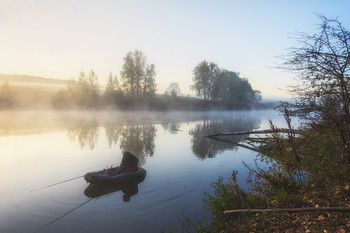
[(308, 169)]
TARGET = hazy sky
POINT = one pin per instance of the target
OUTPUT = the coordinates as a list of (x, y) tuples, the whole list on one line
[(60, 38)]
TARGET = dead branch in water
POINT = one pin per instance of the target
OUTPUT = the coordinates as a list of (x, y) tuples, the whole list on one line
[(255, 132), (235, 143), (258, 139), (252, 139), (305, 209)]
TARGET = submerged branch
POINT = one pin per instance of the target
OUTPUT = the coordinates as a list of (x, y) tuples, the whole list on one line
[(252, 139), (235, 143)]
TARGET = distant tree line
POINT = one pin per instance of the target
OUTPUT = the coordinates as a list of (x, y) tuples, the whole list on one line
[(217, 84), (173, 90), (25, 96), (83, 92), (136, 89)]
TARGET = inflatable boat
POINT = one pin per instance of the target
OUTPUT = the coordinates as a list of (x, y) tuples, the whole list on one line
[(99, 190), (97, 177)]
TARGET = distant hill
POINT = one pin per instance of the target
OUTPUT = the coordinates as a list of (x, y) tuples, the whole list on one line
[(30, 79)]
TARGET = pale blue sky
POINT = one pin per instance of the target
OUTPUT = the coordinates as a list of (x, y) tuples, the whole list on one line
[(59, 38)]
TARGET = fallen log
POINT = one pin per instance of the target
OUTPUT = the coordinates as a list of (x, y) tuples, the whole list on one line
[(234, 143), (256, 132), (304, 209), (258, 139)]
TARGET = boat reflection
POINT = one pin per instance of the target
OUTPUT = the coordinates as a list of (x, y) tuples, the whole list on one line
[(129, 189)]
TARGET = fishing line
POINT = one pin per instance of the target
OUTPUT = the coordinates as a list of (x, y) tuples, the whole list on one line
[(65, 214)]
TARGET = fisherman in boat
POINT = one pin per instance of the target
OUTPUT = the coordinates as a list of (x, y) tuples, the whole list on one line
[(129, 163)]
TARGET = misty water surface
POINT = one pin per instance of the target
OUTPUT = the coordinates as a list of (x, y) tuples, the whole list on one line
[(42, 148)]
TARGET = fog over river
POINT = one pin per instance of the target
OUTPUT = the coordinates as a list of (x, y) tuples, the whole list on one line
[(38, 149)]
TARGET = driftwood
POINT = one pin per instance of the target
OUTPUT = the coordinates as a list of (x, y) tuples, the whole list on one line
[(255, 132), (235, 143), (304, 209), (258, 139), (253, 139)]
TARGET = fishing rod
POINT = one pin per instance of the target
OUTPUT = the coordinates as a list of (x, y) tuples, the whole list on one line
[(70, 211), (65, 214), (61, 182)]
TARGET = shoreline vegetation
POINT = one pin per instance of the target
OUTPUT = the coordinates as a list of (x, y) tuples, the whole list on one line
[(306, 185), (17, 94), (23, 92)]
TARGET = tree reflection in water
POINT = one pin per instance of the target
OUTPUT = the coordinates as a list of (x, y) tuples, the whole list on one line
[(85, 132), (204, 147), (171, 126), (139, 140), (138, 136), (112, 130)]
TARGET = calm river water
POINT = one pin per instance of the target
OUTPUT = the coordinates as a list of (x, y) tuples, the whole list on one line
[(38, 149)]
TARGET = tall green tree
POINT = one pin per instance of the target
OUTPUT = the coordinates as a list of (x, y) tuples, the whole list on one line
[(173, 89), (93, 87), (82, 92), (221, 86), (227, 87), (137, 77), (203, 78), (235, 90), (247, 92), (112, 85), (112, 92), (149, 82)]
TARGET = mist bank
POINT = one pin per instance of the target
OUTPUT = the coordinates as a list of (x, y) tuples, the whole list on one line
[(47, 96), (178, 103), (130, 128)]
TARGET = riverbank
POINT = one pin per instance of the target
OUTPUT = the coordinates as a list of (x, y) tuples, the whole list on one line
[(295, 222), (317, 220), (308, 172)]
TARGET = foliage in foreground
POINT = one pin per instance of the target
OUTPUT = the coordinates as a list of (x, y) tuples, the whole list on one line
[(228, 195), (308, 168)]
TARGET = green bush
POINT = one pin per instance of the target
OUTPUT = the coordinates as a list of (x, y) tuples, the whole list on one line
[(227, 196)]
